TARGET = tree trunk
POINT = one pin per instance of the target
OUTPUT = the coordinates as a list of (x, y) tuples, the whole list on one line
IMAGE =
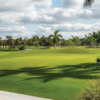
[(14, 46), (10, 47), (55, 46), (3, 46)]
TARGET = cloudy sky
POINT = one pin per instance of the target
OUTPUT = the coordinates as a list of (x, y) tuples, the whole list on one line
[(26, 18)]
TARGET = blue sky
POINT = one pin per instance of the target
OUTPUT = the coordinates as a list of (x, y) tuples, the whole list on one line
[(27, 18), (57, 3)]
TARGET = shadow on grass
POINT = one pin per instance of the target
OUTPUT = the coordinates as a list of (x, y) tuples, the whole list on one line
[(7, 50), (81, 71)]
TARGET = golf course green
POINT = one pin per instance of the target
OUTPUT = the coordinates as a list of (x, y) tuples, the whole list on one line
[(59, 74)]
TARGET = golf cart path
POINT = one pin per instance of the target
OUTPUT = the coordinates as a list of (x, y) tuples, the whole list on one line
[(15, 96)]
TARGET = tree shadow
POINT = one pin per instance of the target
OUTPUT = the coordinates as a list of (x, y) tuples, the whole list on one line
[(81, 71)]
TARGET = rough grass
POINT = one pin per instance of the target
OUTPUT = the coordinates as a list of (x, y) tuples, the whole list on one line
[(57, 74)]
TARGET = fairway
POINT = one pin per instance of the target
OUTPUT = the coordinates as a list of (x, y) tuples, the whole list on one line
[(59, 74)]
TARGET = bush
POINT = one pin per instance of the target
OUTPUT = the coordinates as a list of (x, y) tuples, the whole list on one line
[(22, 47), (92, 92), (98, 59), (48, 44), (37, 44)]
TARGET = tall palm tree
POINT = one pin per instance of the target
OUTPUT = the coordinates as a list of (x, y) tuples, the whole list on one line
[(88, 3), (56, 37)]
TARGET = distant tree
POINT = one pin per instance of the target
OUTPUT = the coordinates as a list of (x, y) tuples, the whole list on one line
[(17, 42), (25, 40), (91, 39), (9, 41), (75, 40), (63, 42), (1, 43), (20, 40), (40, 43), (44, 39), (0, 38), (70, 42), (56, 37), (30, 42), (4, 43), (35, 39), (48, 42), (82, 41)]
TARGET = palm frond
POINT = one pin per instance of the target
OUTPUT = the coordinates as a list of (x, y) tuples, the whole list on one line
[(58, 39), (51, 36), (59, 35), (88, 3), (56, 32)]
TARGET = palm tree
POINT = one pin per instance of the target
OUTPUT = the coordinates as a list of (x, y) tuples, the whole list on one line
[(70, 42), (10, 41), (88, 3), (48, 42), (87, 40), (91, 39), (1, 42), (20, 40), (17, 42), (75, 40), (56, 37), (35, 39), (0, 38), (43, 39)]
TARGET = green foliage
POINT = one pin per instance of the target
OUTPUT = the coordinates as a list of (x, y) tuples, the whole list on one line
[(1, 42), (92, 92), (37, 44), (48, 44), (41, 43), (88, 3), (21, 47), (98, 59), (23, 43)]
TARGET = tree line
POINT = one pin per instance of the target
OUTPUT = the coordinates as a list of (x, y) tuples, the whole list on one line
[(90, 40)]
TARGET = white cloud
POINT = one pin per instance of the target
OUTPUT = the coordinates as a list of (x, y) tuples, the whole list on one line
[(15, 14), (15, 31), (68, 29)]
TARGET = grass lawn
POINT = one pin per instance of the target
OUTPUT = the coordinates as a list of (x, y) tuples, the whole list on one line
[(59, 74)]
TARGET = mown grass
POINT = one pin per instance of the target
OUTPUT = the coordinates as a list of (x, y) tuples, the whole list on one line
[(57, 74)]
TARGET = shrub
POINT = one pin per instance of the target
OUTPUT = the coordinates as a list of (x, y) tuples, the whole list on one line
[(98, 59), (37, 44), (48, 44), (22, 47), (92, 92)]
